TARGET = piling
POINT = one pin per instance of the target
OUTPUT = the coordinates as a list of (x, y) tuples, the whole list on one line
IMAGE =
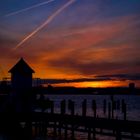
[(54, 127), (89, 133), (122, 105), (94, 134), (124, 108), (72, 132), (63, 107), (104, 106), (118, 105), (94, 107), (71, 107), (109, 110), (66, 131), (59, 129), (52, 107), (84, 107), (118, 135)]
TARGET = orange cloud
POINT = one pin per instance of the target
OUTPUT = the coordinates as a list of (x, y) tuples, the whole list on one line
[(106, 48)]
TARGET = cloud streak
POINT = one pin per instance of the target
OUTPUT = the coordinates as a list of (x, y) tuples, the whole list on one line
[(115, 77), (28, 8), (46, 22)]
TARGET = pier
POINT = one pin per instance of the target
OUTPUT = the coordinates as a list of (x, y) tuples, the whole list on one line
[(37, 124), (62, 123)]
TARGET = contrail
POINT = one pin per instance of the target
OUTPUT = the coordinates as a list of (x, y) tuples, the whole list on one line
[(28, 8), (46, 22)]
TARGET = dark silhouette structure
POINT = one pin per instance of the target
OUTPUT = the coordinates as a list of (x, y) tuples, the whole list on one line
[(32, 115), (21, 75), (21, 80)]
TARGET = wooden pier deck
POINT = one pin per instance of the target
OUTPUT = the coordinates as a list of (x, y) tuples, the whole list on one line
[(73, 123)]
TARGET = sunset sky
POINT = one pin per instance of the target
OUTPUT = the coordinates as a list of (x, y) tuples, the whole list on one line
[(96, 43)]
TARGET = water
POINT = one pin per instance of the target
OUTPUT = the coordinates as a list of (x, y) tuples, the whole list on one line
[(132, 101)]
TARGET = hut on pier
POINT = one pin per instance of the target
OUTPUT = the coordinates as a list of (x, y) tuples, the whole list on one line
[(21, 75), (21, 81)]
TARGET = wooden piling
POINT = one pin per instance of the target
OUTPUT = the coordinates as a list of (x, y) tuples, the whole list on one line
[(63, 107), (104, 106), (59, 129), (89, 133), (52, 107), (109, 110), (94, 107), (118, 135), (54, 127), (124, 111), (66, 131), (118, 104), (122, 106), (71, 107), (94, 134), (84, 107), (112, 110), (72, 132)]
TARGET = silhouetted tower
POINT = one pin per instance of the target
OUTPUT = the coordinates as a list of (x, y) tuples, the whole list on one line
[(21, 75), (21, 79)]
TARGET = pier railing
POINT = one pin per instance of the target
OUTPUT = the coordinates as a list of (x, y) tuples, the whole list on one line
[(38, 124)]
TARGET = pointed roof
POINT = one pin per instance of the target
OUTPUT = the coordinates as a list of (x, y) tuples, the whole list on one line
[(21, 66)]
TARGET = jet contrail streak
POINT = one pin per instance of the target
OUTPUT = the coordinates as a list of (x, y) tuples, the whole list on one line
[(46, 22), (28, 8)]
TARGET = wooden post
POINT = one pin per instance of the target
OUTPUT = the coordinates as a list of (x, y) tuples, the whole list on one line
[(109, 110), (63, 107), (94, 134), (122, 106), (28, 130), (84, 107), (66, 131), (52, 107), (59, 130), (72, 132), (124, 111), (112, 98), (36, 129), (94, 107), (89, 133), (104, 102), (71, 107), (40, 128), (46, 124), (112, 109), (44, 128), (55, 133), (118, 135), (118, 104)]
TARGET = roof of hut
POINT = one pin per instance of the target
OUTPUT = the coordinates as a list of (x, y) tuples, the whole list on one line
[(21, 66)]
